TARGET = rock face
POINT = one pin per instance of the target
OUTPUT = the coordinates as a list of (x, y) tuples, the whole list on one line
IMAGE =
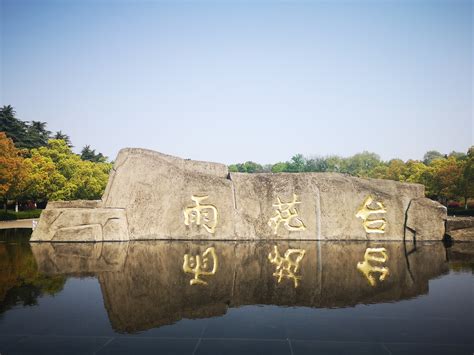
[(426, 218), (155, 196), (460, 229), (145, 284)]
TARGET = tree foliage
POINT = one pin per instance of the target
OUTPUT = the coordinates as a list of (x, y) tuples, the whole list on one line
[(35, 167), (89, 154), (445, 176), (12, 169)]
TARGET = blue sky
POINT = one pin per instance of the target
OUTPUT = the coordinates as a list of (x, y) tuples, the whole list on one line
[(231, 81)]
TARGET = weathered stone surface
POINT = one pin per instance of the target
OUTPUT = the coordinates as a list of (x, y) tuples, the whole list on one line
[(75, 204), (329, 204), (80, 258), (147, 287), (460, 229), (155, 196), (427, 219), (81, 224)]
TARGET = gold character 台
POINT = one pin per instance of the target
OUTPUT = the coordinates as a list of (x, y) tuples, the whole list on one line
[(286, 214), (370, 213), (199, 266), (205, 215), (374, 255), (287, 266)]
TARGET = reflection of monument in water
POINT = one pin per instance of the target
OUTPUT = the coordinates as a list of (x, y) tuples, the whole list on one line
[(149, 284)]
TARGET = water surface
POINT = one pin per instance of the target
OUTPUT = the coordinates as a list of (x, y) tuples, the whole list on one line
[(243, 298)]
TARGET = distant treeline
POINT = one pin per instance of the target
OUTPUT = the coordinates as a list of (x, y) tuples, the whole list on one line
[(447, 177), (37, 166)]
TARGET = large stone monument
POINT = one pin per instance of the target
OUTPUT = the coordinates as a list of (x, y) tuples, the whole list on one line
[(155, 196)]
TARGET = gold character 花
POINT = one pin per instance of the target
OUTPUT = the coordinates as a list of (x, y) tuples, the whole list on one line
[(288, 265), (286, 214)]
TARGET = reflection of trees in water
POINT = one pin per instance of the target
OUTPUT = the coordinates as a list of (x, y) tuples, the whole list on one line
[(20, 281)]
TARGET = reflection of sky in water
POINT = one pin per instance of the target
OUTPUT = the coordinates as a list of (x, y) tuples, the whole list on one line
[(84, 316)]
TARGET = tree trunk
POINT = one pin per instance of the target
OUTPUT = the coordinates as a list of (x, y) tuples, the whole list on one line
[(465, 202)]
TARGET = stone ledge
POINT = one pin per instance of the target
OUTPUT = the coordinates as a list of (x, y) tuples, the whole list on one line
[(460, 228)]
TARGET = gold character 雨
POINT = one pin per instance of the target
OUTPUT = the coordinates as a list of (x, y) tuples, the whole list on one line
[(205, 215)]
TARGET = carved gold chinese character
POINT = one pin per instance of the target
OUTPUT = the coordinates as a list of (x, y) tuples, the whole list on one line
[(287, 214), (374, 255), (199, 266), (205, 215), (370, 213), (287, 266)]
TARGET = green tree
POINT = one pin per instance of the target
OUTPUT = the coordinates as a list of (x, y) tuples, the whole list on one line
[(38, 135), (43, 177), (431, 155), (316, 164), (442, 178), (73, 177), (361, 164), (89, 154), (279, 167), (296, 164), (466, 181), (13, 127), (64, 137), (335, 164)]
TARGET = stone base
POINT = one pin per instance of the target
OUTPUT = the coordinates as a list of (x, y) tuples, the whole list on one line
[(460, 229)]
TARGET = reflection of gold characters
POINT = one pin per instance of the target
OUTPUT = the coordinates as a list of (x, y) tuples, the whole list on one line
[(376, 255), (199, 266), (288, 265), (287, 214), (369, 209), (206, 215)]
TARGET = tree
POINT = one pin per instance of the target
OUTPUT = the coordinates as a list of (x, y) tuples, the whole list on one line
[(72, 177), (466, 181), (444, 179), (24, 135), (43, 177), (431, 155), (296, 164), (334, 164), (395, 170), (361, 164), (247, 167), (13, 127), (316, 164), (64, 137), (38, 135), (89, 154), (279, 167), (458, 155), (12, 172)]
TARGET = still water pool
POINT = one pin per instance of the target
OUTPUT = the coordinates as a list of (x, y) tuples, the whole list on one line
[(235, 298)]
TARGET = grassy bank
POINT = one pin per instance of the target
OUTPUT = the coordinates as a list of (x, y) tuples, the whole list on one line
[(12, 216)]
